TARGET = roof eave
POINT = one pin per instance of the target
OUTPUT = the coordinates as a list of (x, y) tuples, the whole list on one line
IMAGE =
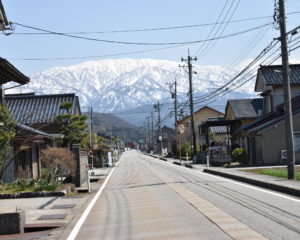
[(12, 73)]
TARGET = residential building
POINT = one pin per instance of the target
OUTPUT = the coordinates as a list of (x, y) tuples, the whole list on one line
[(23, 161), (36, 130), (269, 84), (168, 140), (242, 112), (8, 73), (266, 138), (200, 116), (39, 111)]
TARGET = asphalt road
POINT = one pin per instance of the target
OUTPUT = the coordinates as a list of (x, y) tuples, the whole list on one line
[(151, 199)]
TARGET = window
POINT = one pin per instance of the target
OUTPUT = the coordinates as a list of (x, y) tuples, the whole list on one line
[(187, 124), (297, 141)]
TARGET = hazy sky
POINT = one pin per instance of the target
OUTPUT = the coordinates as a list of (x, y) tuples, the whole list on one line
[(99, 15)]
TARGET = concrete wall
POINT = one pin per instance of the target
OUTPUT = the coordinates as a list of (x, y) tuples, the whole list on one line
[(81, 165)]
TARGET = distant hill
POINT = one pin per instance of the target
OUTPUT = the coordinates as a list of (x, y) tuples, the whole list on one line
[(111, 125)]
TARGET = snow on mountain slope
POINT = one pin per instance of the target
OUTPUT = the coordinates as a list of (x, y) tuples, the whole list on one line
[(115, 85)]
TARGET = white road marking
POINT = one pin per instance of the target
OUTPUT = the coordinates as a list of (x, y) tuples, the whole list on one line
[(232, 226), (86, 212), (236, 182)]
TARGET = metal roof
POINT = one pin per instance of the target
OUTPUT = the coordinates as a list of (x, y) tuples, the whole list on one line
[(272, 74), (245, 108), (218, 129), (33, 109), (8, 73)]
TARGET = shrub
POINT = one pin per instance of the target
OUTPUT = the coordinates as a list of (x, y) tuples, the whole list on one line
[(186, 149), (43, 185), (239, 155), (59, 162)]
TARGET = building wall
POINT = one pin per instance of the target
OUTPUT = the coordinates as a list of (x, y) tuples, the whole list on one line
[(278, 96), (229, 114), (9, 173), (273, 141)]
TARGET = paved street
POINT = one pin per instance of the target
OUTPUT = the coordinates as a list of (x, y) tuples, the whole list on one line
[(151, 199)]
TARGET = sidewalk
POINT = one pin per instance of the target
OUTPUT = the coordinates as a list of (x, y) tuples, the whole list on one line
[(47, 212), (282, 185)]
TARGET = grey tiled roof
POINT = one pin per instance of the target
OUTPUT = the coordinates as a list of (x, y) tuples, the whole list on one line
[(245, 108), (273, 74), (33, 109)]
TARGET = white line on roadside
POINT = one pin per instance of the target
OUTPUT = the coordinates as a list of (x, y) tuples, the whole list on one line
[(86, 212), (236, 182)]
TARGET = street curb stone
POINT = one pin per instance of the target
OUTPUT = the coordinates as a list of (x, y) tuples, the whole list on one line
[(31, 195), (268, 185)]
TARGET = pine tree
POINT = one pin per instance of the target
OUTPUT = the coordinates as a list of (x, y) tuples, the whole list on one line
[(7, 133), (72, 126)]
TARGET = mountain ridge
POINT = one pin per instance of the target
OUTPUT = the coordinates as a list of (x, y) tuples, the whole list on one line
[(121, 84)]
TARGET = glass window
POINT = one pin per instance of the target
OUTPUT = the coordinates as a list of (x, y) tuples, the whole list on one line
[(297, 142)]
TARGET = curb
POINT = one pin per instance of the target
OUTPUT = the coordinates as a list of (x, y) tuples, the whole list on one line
[(188, 165), (271, 186), (177, 163), (31, 195)]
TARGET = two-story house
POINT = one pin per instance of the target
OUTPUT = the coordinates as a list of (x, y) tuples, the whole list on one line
[(200, 116), (266, 135)]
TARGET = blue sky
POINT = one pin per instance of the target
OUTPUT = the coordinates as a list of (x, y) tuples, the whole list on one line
[(99, 15)]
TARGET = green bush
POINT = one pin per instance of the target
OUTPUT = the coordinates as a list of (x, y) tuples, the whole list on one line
[(43, 185), (186, 149), (47, 175), (239, 155)]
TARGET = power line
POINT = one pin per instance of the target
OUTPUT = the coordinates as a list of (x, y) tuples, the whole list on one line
[(140, 43), (211, 44), (211, 31), (152, 29), (99, 56)]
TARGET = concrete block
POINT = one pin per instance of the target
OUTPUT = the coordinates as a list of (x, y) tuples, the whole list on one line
[(12, 223)]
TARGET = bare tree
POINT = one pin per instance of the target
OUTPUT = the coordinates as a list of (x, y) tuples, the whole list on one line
[(60, 161)]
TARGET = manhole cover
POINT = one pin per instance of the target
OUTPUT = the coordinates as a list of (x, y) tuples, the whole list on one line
[(52, 216)]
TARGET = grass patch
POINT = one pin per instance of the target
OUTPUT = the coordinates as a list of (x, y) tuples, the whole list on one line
[(276, 172)]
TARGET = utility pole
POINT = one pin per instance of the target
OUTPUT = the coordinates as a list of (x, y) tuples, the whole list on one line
[(152, 133), (287, 94), (190, 72), (174, 96), (148, 133), (91, 126), (157, 106), (175, 112)]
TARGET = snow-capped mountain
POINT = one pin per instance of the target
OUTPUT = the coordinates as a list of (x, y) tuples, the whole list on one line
[(116, 85)]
